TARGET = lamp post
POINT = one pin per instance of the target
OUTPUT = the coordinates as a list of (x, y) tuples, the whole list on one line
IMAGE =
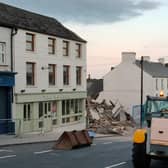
[(141, 118)]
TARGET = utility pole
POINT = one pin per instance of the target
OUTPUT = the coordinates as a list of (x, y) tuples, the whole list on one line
[(141, 117)]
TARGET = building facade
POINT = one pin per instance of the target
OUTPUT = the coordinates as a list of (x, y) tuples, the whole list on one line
[(50, 62), (123, 83)]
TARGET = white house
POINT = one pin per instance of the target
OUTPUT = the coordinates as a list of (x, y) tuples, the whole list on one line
[(50, 62), (123, 83)]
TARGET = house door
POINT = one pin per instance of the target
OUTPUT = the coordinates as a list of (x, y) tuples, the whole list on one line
[(3, 109), (45, 116)]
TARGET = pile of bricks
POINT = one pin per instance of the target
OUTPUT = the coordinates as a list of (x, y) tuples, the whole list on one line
[(108, 118)]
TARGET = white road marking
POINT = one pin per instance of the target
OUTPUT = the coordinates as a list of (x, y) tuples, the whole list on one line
[(5, 150), (106, 143), (116, 165), (9, 156), (93, 144), (41, 152)]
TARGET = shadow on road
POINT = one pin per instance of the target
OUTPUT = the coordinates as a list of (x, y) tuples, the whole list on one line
[(159, 164)]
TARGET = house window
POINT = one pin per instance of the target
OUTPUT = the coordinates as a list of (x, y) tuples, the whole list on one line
[(65, 48), (66, 107), (2, 53), (30, 41), (156, 84), (51, 46), (66, 74), (78, 50), (30, 73), (78, 75), (162, 84), (27, 112), (51, 74)]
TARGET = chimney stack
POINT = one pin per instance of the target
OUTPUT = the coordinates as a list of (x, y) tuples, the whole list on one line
[(128, 57), (161, 60)]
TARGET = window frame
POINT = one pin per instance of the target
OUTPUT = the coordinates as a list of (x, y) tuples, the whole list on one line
[(66, 80), (53, 74), (3, 53), (32, 42), (65, 48), (51, 45), (78, 50), (33, 73), (78, 75), (27, 111)]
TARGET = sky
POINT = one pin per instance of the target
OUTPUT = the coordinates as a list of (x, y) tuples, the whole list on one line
[(110, 27)]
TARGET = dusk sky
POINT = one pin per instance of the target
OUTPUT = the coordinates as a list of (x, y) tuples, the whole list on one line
[(110, 27)]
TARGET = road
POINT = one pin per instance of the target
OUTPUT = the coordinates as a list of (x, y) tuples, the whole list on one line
[(104, 153)]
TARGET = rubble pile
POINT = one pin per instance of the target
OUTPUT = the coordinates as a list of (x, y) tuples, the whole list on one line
[(108, 118)]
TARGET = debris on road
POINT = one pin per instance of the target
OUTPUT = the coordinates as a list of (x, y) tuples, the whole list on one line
[(108, 117)]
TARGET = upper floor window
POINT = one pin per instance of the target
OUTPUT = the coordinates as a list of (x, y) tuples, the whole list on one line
[(52, 74), (30, 41), (51, 46), (66, 74), (65, 48), (78, 75), (2, 53), (30, 73), (78, 50)]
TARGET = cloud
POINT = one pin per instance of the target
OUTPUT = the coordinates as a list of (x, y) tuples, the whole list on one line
[(90, 11)]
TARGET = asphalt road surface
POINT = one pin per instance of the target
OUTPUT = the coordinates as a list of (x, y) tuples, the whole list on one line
[(103, 153)]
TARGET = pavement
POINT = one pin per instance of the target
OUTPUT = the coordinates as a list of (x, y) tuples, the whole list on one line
[(30, 138)]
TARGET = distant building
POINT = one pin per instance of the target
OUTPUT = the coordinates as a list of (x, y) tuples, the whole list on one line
[(94, 87), (124, 82), (50, 62)]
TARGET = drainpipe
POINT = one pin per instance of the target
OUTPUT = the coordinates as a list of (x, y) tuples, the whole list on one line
[(13, 33)]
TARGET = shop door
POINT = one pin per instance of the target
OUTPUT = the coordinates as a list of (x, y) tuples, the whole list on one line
[(3, 109), (45, 116)]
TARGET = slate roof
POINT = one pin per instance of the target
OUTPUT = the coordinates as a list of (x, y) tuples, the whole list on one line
[(15, 17), (155, 69)]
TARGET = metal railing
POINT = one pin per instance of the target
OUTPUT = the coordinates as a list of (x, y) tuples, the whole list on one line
[(18, 127)]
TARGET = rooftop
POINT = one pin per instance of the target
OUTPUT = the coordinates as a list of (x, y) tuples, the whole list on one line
[(155, 69), (15, 17)]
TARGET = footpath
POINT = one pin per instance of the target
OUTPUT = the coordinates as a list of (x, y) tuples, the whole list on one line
[(8, 140)]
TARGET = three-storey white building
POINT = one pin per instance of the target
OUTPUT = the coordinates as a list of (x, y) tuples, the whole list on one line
[(50, 62)]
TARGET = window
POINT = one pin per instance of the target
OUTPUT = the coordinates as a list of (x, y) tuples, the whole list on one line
[(66, 74), (78, 106), (78, 75), (156, 84), (30, 68), (51, 74), (51, 46), (30, 41), (65, 48), (2, 53), (66, 107), (167, 83), (27, 112), (78, 50)]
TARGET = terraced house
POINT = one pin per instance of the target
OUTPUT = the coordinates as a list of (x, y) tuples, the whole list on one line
[(42, 73)]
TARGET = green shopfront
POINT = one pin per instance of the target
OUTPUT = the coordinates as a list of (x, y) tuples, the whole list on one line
[(7, 81)]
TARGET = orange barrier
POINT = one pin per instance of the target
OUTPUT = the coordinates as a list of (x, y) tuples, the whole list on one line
[(73, 139)]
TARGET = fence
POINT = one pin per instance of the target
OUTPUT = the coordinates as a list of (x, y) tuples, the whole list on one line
[(42, 125)]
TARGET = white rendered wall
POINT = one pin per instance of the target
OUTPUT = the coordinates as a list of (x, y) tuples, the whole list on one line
[(123, 84), (41, 57)]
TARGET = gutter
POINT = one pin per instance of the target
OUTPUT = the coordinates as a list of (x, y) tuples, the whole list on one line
[(13, 33)]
